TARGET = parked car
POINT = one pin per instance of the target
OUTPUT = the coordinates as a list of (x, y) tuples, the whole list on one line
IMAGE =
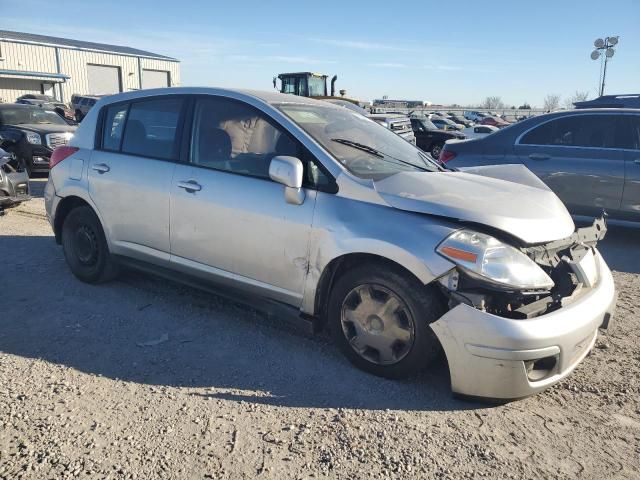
[(81, 105), (478, 131), (455, 118), (397, 123), (429, 137), (318, 209), (14, 181), (31, 133), (589, 158), (494, 122), (445, 123), (48, 103), (611, 101), (474, 116), (347, 104)]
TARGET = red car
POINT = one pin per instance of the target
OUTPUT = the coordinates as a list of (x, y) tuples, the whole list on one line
[(494, 121)]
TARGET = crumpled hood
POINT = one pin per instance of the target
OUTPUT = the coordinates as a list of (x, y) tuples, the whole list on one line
[(506, 197), (46, 127)]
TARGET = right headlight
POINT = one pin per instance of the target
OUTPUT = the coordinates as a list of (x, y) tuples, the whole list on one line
[(485, 256), (33, 138)]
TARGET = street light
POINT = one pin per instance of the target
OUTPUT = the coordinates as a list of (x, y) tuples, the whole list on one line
[(604, 46)]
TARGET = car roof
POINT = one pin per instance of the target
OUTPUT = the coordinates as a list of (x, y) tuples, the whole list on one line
[(270, 97)]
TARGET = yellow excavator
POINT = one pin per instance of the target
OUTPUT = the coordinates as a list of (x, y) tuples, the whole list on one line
[(309, 84)]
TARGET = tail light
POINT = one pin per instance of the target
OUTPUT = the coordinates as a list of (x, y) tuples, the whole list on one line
[(60, 153), (447, 156)]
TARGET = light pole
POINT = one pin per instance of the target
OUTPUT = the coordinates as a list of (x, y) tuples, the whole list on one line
[(605, 46)]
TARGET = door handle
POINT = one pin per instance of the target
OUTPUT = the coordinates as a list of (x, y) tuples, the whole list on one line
[(539, 156), (101, 168), (190, 186)]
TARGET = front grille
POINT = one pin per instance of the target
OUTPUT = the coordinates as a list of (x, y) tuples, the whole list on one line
[(55, 140)]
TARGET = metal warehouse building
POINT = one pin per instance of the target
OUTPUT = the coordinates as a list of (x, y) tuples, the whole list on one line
[(61, 67)]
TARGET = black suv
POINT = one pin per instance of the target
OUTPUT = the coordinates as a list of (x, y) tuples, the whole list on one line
[(32, 133), (429, 137)]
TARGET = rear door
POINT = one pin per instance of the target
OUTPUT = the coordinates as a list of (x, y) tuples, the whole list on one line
[(630, 208), (578, 157), (130, 174)]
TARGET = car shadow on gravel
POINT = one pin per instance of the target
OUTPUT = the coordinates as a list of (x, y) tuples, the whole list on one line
[(621, 249), (153, 332)]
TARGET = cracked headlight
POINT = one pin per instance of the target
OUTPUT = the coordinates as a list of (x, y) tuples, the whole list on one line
[(484, 256), (33, 138)]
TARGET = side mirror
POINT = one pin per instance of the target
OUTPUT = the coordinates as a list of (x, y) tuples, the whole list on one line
[(288, 171)]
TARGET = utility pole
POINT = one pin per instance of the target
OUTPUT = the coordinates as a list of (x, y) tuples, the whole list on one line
[(605, 46)]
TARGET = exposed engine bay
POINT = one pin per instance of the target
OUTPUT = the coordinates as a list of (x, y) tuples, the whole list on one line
[(569, 262)]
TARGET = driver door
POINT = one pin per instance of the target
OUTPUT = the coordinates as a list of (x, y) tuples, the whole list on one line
[(229, 221)]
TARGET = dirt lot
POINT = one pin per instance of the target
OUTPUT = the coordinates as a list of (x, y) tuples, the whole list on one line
[(142, 378)]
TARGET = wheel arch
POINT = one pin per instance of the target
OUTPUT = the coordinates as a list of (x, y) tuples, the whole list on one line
[(341, 264), (66, 205)]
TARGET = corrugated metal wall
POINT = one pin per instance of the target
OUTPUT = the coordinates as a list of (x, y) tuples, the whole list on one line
[(38, 58)]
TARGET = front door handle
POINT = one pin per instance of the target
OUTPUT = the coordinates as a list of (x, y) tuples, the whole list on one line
[(539, 156), (101, 168), (190, 186)]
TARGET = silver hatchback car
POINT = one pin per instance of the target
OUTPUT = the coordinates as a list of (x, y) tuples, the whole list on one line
[(319, 209)]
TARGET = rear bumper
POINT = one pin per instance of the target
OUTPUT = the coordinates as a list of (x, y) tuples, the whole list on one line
[(491, 356)]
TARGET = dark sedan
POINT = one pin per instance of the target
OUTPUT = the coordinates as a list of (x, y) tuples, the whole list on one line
[(590, 158), (32, 133)]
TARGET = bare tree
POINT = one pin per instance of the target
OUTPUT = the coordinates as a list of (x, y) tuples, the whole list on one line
[(551, 102), (577, 97), (493, 103)]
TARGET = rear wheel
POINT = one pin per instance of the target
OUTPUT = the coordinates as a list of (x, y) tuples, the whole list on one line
[(85, 247), (380, 319), (435, 150)]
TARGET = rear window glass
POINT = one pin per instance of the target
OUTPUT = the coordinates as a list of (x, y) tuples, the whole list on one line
[(151, 128)]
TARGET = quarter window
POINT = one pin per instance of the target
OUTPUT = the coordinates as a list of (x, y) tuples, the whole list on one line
[(152, 128), (113, 126)]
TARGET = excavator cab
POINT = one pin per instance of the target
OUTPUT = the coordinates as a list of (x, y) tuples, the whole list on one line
[(305, 84)]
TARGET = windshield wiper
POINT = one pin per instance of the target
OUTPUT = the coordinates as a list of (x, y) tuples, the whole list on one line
[(359, 146), (377, 153)]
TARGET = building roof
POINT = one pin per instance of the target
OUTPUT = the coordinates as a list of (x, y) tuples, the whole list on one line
[(78, 44)]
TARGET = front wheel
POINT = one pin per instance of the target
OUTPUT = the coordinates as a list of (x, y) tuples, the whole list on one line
[(436, 150), (85, 247), (380, 317)]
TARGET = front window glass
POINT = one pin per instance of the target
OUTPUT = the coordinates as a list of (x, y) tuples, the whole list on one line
[(365, 148), (23, 116), (595, 131)]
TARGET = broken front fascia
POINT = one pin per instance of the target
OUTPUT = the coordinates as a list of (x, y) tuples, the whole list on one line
[(569, 262), (14, 181)]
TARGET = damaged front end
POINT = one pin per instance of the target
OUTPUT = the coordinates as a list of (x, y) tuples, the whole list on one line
[(570, 263), (14, 180)]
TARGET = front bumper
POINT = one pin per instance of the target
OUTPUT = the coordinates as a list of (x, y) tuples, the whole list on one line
[(14, 188), (489, 356)]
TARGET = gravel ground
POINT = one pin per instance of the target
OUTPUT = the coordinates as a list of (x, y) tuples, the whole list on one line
[(142, 378)]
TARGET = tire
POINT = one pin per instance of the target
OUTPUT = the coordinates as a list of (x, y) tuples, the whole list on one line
[(85, 247), (435, 150), (364, 334)]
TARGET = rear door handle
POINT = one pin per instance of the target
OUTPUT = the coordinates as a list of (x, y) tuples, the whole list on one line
[(101, 168), (539, 156), (190, 186)]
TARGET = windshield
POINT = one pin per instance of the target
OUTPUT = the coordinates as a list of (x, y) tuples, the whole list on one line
[(427, 124), (365, 148), (21, 116)]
